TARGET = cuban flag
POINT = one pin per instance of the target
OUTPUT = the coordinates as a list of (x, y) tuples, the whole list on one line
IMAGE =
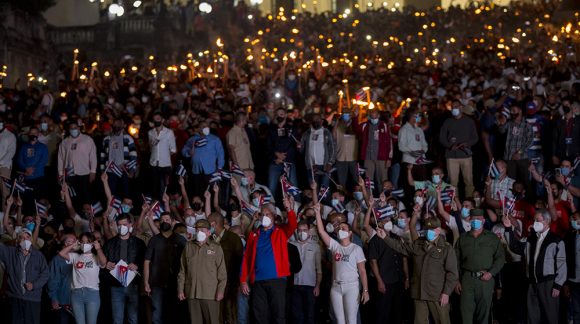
[(493, 170), (430, 203), (201, 142), (41, 209), (361, 95), (398, 193), (220, 175), (96, 208), (116, 205), (157, 210), (248, 208), (288, 188), (447, 195), (385, 211), (123, 275), (422, 160), (69, 171), (322, 192), (181, 172), (235, 169), (339, 207), (370, 184), (114, 168), (131, 165), (71, 191), (360, 170)]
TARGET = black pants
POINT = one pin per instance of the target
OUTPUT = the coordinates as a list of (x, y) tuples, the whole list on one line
[(81, 186), (269, 301), (518, 169), (24, 312), (159, 181), (303, 305), (388, 305), (198, 185)]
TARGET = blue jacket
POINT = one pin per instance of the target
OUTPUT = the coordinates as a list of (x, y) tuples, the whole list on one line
[(206, 159), (59, 280), (36, 273), (33, 155)]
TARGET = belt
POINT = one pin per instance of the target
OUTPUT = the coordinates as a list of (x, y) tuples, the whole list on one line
[(474, 274), (337, 282)]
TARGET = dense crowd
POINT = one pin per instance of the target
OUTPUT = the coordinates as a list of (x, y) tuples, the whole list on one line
[(431, 176)]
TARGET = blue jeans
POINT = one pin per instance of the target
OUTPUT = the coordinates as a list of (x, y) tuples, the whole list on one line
[(157, 295), (575, 292), (303, 305), (274, 174), (243, 309), (121, 296), (85, 305), (394, 174)]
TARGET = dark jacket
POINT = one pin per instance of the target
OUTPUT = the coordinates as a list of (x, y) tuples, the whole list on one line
[(282, 140), (36, 273), (570, 244), (385, 143), (59, 281), (135, 254), (561, 147), (233, 249), (329, 148)]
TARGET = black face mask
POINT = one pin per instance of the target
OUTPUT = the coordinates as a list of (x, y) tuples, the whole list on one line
[(566, 109), (68, 230), (32, 138), (165, 227), (234, 206), (280, 119), (316, 125), (306, 200), (157, 123), (514, 116), (196, 206), (117, 129)]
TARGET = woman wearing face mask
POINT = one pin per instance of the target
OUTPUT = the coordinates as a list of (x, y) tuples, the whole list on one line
[(348, 265), (87, 262)]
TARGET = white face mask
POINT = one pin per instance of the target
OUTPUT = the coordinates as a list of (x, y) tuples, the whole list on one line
[(200, 236), (25, 245), (190, 221), (388, 226), (419, 200), (303, 236), (538, 227), (87, 247), (205, 131), (266, 221), (329, 228), (342, 234), (123, 230), (111, 101)]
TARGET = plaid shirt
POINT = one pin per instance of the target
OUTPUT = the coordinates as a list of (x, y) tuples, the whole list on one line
[(519, 138)]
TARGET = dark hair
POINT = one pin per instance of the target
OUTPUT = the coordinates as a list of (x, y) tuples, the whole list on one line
[(123, 217)]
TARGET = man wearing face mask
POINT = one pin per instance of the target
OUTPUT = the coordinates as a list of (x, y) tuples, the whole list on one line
[(248, 185), (77, 161), (161, 267), (480, 256), (458, 134), (281, 144), (431, 187), (32, 159), (207, 156), (7, 152), (119, 149), (202, 278), (126, 247), (376, 145), (566, 137), (346, 149), (519, 139), (239, 143), (49, 135), (545, 259), (265, 266), (319, 151), (162, 144), (28, 274), (434, 272), (59, 283)]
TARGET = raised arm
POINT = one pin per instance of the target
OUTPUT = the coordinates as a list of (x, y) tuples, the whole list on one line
[(9, 203), (367, 221), (320, 226), (413, 222), (440, 208), (68, 202), (106, 188), (216, 200)]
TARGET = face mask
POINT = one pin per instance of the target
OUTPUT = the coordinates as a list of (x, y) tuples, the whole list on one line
[(131, 90), (342, 234), (144, 99), (431, 235), (165, 227), (476, 224), (329, 228), (388, 226), (565, 171), (477, 201), (123, 230), (538, 227), (436, 178), (25, 245), (234, 206), (374, 121), (157, 123), (358, 195), (455, 112), (205, 131), (303, 236), (266, 221), (130, 109), (292, 77), (419, 200), (346, 117), (87, 247), (30, 226), (418, 119), (74, 132), (335, 202), (464, 212), (280, 119), (125, 208), (44, 127), (575, 225), (190, 221), (200, 236), (256, 202), (316, 125), (196, 206), (244, 181), (401, 223)]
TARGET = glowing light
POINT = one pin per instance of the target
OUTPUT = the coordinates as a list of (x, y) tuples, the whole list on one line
[(137, 4), (205, 7)]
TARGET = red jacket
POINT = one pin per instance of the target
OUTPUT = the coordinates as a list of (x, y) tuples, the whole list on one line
[(279, 240), (385, 146)]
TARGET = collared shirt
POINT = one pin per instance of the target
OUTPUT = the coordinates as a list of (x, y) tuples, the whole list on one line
[(310, 256), (519, 139), (162, 146), (203, 270), (411, 138), (237, 139), (205, 158), (7, 148), (78, 153), (541, 238)]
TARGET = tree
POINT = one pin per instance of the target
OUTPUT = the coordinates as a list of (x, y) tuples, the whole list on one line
[(33, 7)]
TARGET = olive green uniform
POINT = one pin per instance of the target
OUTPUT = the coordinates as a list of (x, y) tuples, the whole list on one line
[(476, 254), (434, 273)]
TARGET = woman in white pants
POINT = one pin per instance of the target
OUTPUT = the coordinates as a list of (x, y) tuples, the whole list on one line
[(348, 264)]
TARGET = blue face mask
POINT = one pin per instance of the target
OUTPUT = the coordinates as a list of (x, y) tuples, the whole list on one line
[(358, 195), (455, 112), (335, 202), (464, 212), (401, 223), (346, 117), (30, 226), (565, 171), (476, 224), (244, 181), (418, 119), (74, 132), (374, 121), (575, 225), (256, 202), (431, 235), (125, 208), (436, 178)]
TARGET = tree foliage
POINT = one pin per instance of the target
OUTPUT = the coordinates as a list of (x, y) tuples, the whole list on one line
[(30, 6)]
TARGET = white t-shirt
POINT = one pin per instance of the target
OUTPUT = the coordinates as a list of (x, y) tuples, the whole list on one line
[(345, 260), (452, 223), (85, 271), (317, 146)]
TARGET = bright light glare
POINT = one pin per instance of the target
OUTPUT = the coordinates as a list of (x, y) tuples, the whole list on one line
[(205, 7)]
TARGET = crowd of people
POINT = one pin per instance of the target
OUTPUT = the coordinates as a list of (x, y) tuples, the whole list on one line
[(447, 191)]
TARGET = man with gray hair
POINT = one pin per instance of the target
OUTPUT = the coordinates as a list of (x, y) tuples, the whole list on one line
[(545, 257)]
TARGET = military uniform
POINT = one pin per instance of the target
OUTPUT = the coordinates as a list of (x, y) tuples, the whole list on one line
[(474, 256), (434, 273)]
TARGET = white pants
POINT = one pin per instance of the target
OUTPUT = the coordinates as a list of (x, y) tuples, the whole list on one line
[(345, 299)]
